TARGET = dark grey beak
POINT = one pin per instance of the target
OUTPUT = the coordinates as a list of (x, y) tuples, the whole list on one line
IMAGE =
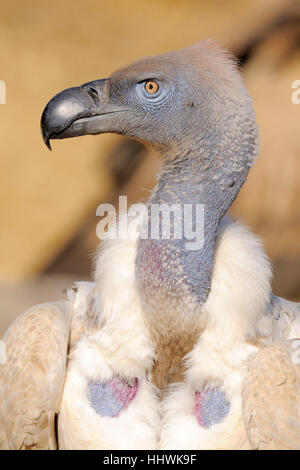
[(78, 111)]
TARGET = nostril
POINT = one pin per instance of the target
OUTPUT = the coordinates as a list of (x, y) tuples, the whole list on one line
[(92, 92)]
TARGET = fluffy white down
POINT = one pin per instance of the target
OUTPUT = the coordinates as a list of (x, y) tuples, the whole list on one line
[(239, 293), (118, 342)]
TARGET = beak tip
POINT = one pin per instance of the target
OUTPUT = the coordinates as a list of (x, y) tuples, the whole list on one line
[(47, 143), (45, 132), (46, 139)]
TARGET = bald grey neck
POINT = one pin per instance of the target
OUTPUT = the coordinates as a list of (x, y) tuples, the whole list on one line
[(207, 174)]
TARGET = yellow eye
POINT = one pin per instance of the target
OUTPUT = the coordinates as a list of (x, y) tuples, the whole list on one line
[(151, 87)]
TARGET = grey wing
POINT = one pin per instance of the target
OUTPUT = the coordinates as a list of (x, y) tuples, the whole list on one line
[(32, 376), (271, 401)]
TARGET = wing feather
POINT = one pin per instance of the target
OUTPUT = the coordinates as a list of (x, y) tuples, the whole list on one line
[(271, 400), (32, 378)]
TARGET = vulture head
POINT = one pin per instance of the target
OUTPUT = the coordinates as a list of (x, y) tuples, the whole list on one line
[(170, 101)]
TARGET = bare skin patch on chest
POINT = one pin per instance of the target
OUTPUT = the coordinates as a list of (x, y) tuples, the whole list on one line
[(211, 406), (112, 397)]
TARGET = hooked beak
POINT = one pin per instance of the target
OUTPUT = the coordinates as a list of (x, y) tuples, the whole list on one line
[(79, 111)]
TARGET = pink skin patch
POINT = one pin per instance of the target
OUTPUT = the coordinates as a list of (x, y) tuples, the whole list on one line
[(199, 398), (124, 392), (113, 397), (152, 259)]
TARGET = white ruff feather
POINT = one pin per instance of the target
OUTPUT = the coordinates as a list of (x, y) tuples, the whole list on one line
[(116, 341), (239, 294)]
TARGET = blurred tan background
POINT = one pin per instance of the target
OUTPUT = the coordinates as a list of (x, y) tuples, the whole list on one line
[(48, 200)]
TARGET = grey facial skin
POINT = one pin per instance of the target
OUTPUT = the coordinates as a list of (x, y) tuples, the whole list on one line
[(202, 121)]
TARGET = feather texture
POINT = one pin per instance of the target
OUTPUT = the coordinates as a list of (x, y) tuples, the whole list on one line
[(32, 379), (271, 401), (247, 354)]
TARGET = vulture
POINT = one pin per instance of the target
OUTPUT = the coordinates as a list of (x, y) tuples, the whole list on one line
[(175, 344)]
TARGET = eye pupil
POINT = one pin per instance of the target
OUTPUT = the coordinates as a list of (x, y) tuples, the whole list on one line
[(151, 87)]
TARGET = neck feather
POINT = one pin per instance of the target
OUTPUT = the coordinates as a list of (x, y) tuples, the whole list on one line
[(174, 275), (203, 180)]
